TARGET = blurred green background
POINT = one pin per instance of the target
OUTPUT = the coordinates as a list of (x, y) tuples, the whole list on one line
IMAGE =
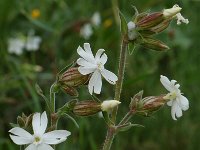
[(58, 23)]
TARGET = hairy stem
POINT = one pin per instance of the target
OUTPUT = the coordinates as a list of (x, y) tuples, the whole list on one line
[(126, 118), (118, 88)]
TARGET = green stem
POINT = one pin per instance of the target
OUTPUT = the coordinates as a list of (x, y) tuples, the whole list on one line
[(126, 118), (109, 138), (52, 97), (122, 65), (118, 88)]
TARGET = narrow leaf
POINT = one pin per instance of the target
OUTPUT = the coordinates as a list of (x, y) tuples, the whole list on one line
[(123, 24)]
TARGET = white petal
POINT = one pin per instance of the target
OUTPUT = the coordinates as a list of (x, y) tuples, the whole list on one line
[(178, 111), (36, 123), (44, 147), (83, 62), (103, 59), (173, 110), (98, 84), (183, 102), (20, 132), (31, 147), (21, 140), (169, 103), (93, 81), (86, 56), (166, 83), (98, 54), (39, 123), (43, 123), (109, 76), (56, 136), (87, 48), (86, 70)]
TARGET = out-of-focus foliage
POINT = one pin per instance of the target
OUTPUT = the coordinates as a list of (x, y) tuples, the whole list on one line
[(58, 23)]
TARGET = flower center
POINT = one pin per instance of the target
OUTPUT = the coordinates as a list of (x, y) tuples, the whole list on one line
[(37, 140), (171, 96), (100, 66)]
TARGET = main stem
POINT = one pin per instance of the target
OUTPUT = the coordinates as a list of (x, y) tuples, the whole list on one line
[(118, 88)]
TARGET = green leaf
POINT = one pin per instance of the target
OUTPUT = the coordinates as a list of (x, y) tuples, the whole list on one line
[(131, 48), (127, 126), (123, 24), (68, 107)]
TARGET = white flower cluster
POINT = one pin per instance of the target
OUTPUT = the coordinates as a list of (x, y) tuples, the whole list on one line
[(86, 31), (18, 44)]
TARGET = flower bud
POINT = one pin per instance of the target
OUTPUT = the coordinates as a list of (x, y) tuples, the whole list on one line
[(169, 13), (151, 104), (154, 44), (109, 105), (73, 78), (150, 21), (69, 90), (87, 108), (24, 121)]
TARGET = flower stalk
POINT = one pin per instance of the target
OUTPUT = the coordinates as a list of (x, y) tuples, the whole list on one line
[(118, 88)]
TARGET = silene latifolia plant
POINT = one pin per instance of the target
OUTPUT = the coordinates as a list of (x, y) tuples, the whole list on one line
[(33, 133)]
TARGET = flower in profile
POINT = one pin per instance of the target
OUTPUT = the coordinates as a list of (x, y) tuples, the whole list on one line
[(39, 140), (86, 31), (95, 66), (108, 105), (16, 45), (177, 101), (175, 12), (32, 42)]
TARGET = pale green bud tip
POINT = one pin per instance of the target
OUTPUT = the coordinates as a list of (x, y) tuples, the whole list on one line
[(109, 105), (171, 12)]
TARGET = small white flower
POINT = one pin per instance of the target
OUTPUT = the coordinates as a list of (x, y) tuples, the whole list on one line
[(178, 102), (86, 31), (132, 34), (171, 12), (108, 105), (16, 45), (32, 42), (95, 65), (96, 19), (39, 140), (175, 12)]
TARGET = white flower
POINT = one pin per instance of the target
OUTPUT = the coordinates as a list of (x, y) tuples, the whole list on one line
[(175, 12), (96, 19), (32, 42), (39, 140), (132, 34), (16, 45), (177, 100), (171, 12), (108, 105), (95, 65), (86, 31)]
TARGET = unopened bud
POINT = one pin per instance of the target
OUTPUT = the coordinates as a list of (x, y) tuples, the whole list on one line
[(87, 108), (108, 105), (150, 21), (24, 121), (154, 44), (73, 78), (171, 12), (69, 90), (151, 104)]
